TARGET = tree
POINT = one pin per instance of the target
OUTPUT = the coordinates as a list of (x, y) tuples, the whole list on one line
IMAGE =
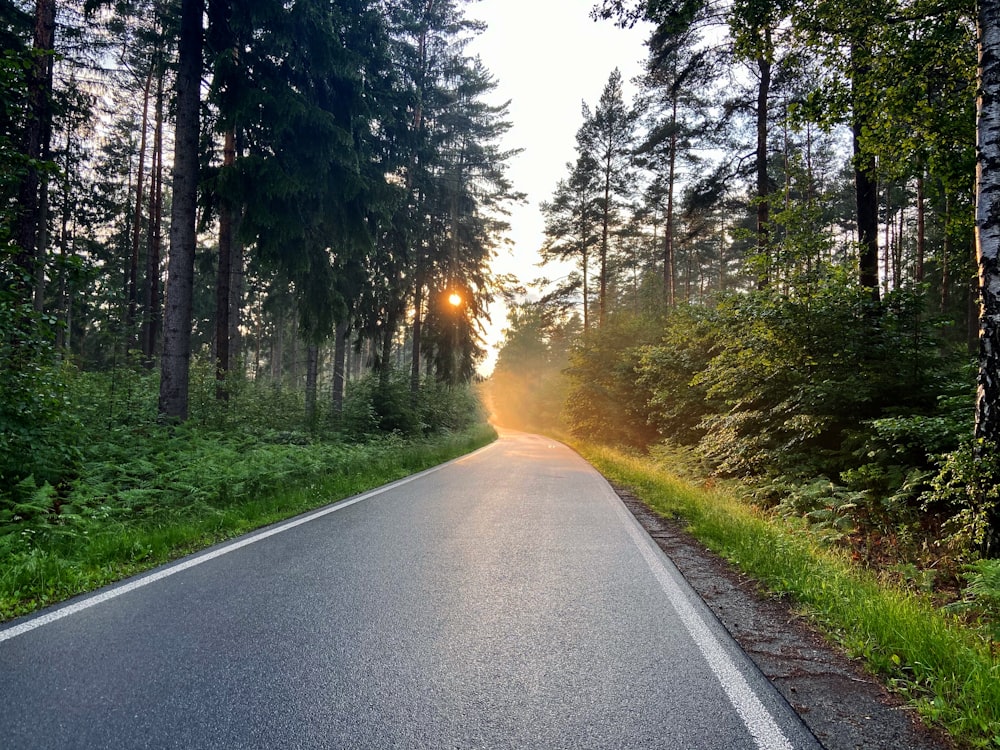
[(987, 427), (174, 363), (303, 87), (441, 237), (678, 69), (607, 137), (571, 220), (38, 135), (753, 25)]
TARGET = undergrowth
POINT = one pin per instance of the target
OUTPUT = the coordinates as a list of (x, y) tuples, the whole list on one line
[(154, 500), (123, 493)]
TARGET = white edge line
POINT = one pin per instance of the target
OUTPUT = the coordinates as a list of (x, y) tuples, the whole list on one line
[(758, 720), (159, 574)]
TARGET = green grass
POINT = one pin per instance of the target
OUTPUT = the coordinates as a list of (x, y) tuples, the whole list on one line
[(946, 670), (141, 510)]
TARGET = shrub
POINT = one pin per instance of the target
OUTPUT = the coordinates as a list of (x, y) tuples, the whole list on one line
[(967, 491)]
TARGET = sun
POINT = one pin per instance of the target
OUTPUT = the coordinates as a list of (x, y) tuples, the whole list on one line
[(455, 299)]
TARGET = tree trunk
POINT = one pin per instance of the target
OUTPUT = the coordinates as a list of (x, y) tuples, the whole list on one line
[(42, 243), (64, 298), (602, 292), (133, 266), (921, 230), (386, 355), (865, 183), (152, 313), (223, 277), (174, 374), (897, 254), (312, 376), (866, 191), (236, 290), (339, 359), (988, 244), (946, 256), (668, 239), (988, 222), (418, 303), (293, 359), (38, 130), (763, 185), (278, 348), (887, 241)]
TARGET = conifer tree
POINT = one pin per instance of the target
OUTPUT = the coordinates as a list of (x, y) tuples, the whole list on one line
[(174, 363), (572, 218), (607, 137)]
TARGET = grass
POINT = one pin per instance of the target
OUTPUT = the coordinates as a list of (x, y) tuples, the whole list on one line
[(948, 671), (137, 512)]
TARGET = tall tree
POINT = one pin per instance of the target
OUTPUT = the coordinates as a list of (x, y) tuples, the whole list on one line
[(754, 25), (988, 241), (304, 85), (571, 220), (37, 141), (607, 136), (174, 363), (678, 70)]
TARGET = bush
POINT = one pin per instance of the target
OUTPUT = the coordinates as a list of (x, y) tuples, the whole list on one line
[(607, 401), (39, 433), (667, 371), (795, 374), (371, 407), (981, 595), (966, 489)]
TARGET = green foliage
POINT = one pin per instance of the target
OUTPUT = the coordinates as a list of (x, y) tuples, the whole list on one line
[(981, 595), (606, 400), (967, 490), (796, 373), (37, 431), (373, 406), (667, 370), (139, 492)]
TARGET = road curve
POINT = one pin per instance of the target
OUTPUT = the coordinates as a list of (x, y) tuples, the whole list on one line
[(504, 600)]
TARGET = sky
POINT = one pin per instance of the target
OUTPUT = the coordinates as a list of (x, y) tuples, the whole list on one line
[(548, 57)]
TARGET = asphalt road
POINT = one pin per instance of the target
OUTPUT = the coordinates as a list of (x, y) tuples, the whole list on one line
[(505, 600)]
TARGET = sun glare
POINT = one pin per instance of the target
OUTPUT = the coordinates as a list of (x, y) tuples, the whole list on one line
[(455, 299)]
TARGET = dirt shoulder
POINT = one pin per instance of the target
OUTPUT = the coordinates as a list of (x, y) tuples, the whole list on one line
[(844, 707)]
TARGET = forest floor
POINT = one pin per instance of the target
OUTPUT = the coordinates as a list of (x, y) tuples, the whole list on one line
[(845, 707)]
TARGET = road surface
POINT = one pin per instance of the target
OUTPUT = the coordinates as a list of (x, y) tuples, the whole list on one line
[(504, 600)]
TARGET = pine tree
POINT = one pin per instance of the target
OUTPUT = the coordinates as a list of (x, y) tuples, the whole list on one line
[(174, 375), (572, 218), (679, 69), (607, 136)]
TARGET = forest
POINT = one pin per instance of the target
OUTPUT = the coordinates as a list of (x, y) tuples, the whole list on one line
[(767, 269), (245, 245), (246, 260)]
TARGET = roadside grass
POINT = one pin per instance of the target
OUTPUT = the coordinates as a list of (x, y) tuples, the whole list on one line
[(944, 668), (134, 512)]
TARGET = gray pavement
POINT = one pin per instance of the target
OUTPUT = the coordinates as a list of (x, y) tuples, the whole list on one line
[(505, 600)]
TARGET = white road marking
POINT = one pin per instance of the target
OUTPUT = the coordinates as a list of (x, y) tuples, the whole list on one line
[(91, 601), (758, 720)]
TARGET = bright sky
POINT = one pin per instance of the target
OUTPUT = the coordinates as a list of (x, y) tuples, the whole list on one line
[(548, 57)]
